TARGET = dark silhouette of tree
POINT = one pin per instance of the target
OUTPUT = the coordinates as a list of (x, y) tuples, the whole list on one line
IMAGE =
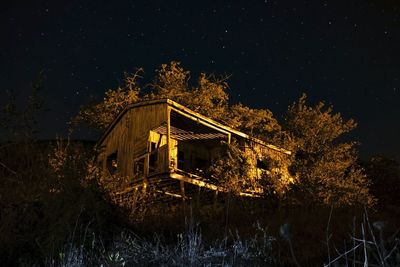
[(384, 173), (19, 122), (45, 188)]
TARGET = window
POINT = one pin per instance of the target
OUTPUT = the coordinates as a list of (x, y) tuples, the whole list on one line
[(262, 164), (152, 146), (153, 157), (112, 163), (153, 162), (200, 163), (181, 159)]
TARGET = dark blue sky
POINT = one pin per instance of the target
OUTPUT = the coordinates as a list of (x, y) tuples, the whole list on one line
[(343, 52)]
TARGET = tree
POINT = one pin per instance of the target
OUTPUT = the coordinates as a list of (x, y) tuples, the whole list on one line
[(98, 115), (384, 173), (19, 122), (327, 169), (208, 96), (231, 168), (259, 123)]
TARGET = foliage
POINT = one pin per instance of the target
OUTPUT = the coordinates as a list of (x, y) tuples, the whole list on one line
[(208, 96), (233, 169), (171, 81), (40, 201), (328, 171), (100, 115), (44, 188), (259, 123), (384, 172)]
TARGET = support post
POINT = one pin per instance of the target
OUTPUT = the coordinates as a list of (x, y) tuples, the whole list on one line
[(182, 184), (168, 138)]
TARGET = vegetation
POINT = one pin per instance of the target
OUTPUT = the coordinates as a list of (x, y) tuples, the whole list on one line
[(328, 171), (207, 96), (325, 169), (54, 211)]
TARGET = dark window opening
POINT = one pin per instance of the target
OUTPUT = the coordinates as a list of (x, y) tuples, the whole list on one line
[(152, 146), (153, 157), (153, 161), (112, 163), (181, 159), (139, 167), (200, 163), (262, 164)]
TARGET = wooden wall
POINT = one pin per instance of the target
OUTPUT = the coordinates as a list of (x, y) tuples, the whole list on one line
[(130, 135)]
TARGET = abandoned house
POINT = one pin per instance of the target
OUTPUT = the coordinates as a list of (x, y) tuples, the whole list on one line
[(169, 146)]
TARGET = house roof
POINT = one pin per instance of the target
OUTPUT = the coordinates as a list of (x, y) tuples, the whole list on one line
[(195, 115), (181, 134)]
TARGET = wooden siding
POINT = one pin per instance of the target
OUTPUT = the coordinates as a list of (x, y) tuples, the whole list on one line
[(130, 136)]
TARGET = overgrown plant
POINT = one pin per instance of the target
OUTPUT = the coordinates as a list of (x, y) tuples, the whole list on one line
[(233, 169), (327, 168)]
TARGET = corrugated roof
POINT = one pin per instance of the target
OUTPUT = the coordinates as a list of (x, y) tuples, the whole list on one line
[(180, 134)]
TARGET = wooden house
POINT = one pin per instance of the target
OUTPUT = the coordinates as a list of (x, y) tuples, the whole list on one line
[(165, 144)]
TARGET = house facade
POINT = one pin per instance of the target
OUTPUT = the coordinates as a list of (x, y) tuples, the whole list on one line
[(169, 146)]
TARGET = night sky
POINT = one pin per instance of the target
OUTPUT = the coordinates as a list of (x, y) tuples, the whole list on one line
[(344, 52)]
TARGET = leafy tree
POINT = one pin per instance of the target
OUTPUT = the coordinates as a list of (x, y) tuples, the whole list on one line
[(231, 168), (259, 123), (327, 169), (208, 96), (171, 81), (99, 115)]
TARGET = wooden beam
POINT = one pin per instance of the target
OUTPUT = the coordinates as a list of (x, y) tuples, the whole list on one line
[(168, 138), (182, 184), (206, 185), (204, 121)]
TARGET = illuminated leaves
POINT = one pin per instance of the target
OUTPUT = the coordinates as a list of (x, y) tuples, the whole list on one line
[(233, 169), (208, 96), (327, 169), (100, 115), (256, 122), (314, 128), (171, 82)]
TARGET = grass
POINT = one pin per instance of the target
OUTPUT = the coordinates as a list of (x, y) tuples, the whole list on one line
[(188, 249), (367, 244)]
